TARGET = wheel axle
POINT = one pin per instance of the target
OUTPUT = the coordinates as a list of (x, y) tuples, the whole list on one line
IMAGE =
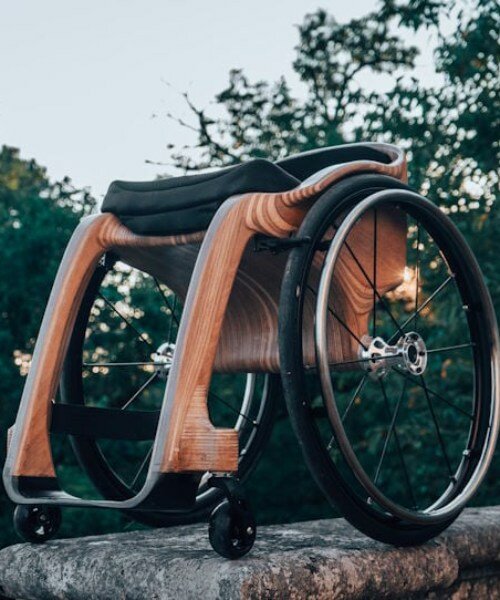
[(408, 354)]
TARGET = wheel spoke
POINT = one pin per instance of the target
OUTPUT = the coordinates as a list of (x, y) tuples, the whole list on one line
[(389, 433), (124, 318), (433, 393), (356, 394), (392, 356), (234, 410), (398, 445), (451, 348), (370, 283), (167, 304), (362, 360), (140, 390), (142, 467), (439, 289), (374, 324), (341, 321), (417, 277), (170, 325), (436, 425), (374, 289)]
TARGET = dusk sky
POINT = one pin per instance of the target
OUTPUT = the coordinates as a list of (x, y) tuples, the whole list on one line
[(81, 81)]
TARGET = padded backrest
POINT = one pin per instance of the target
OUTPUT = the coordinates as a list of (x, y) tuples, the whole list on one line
[(305, 164)]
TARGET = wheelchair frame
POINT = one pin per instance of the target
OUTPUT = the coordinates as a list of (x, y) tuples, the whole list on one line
[(186, 442)]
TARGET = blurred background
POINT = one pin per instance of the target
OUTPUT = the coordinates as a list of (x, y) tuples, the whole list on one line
[(95, 92)]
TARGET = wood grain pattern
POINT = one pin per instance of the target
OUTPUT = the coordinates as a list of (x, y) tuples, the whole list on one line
[(189, 442), (280, 213), (197, 340), (90, 240), (84, 250), (249, 336), (351, 292)]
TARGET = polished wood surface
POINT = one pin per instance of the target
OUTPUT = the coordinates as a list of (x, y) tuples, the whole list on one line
[(248, 340), (249, 335), (90, 240), (351, 292), (197, 341), (213, 323)]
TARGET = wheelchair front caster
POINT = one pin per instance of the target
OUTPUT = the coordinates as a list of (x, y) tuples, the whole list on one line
[(231, 530), (37, 524)]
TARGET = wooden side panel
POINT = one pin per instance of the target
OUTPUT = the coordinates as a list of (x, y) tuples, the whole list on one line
[(249, 335), (192, 442), (34, 455), (92, 237), (352, 294)]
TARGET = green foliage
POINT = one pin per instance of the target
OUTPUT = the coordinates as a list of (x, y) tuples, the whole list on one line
[(450, 131)]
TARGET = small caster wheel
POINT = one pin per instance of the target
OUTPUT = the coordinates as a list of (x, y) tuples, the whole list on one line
[(36, 523), (231, 530)]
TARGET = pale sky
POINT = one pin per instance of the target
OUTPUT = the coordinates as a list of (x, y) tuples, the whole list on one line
[(80, 81)]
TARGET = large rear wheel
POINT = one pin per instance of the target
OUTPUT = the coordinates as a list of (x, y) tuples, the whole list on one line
[(119, 356), (399, 433)]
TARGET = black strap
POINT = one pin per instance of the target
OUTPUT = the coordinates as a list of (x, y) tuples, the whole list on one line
[(106, 423)]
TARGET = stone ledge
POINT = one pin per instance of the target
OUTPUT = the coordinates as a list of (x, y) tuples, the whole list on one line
[(315, 559)]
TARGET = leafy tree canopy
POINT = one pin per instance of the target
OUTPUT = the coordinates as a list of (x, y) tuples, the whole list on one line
[(450, 130)]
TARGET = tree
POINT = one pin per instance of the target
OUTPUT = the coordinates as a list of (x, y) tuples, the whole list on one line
[(447, 129), (450, 133)]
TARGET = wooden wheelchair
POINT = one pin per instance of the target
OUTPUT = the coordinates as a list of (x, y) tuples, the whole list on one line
[(323, 267)]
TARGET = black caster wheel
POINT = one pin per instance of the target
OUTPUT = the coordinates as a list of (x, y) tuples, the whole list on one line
[(231, 530), (36, 523)]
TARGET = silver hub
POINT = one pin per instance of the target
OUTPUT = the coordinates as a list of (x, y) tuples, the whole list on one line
[(414, 353), (408, 354), (163, 359)]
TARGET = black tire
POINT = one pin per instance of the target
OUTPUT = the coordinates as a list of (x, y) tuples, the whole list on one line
[(93, 460), (231, 531), (36, 524), (338, 488)]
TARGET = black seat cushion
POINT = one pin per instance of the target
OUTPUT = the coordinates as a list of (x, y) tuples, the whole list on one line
[(187, 204)]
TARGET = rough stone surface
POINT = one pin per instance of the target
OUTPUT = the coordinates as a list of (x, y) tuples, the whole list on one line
[(316, 559)]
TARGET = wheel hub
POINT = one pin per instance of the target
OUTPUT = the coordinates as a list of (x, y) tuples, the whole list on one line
[(408, 354), (163, 359)]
